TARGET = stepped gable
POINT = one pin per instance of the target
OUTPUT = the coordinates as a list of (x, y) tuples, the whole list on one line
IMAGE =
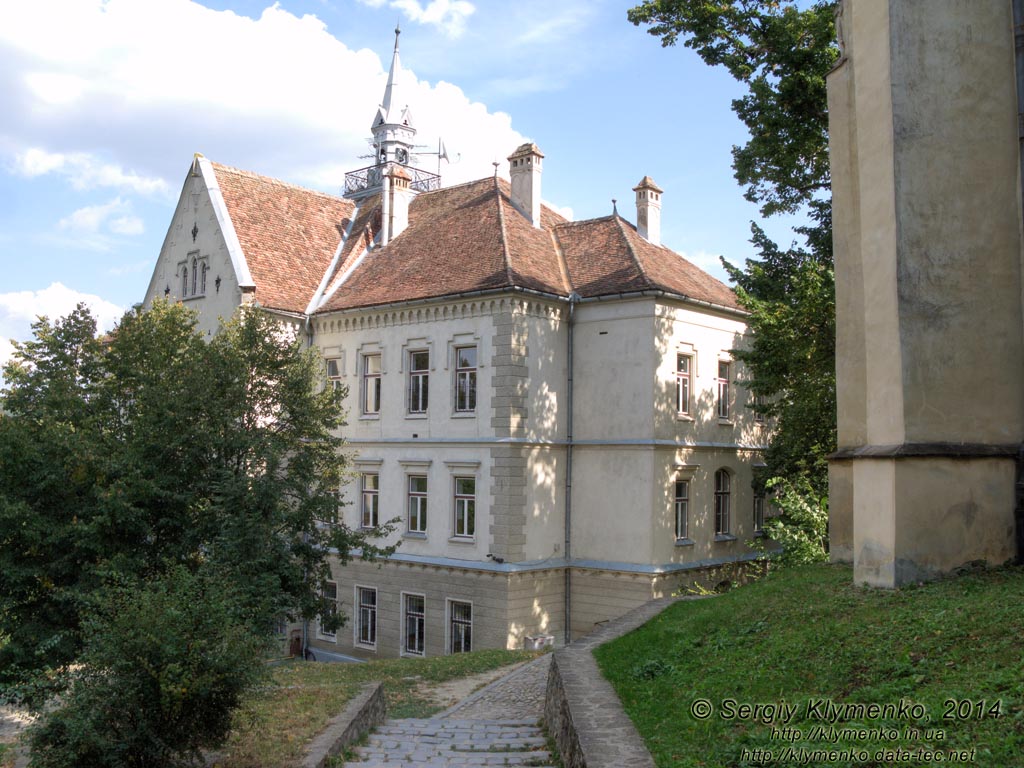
[(289, 235), (607, 256)]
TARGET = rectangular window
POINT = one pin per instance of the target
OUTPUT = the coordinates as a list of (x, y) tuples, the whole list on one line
[(723, 389), (759, 401), (419, 379), (371, 384), (758, 513), (366, 622), (415, 620), (722, 486), (683, 366), (370, 483), (333, 371), (330, 608), (465, 379), (465, 506), (417, 504), (682, 509), (461, 627)]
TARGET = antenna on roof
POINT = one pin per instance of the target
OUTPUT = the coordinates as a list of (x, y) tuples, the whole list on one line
[(495, 164), (615, 210)]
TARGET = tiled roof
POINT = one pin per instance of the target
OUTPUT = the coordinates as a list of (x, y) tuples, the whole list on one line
[(288, 234), (459, 240)]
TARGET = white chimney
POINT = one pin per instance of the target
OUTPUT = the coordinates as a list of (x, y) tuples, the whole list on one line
[(400, 195), (525, 169), (648, 210)]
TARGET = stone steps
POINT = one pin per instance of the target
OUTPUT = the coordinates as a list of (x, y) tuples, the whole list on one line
[(454, 743)]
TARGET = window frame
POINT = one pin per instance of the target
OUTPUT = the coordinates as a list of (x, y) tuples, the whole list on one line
[(468, 509), (333, 378), (418, 383), (684, 384), (362, 612), (320, 632), (758, 514), (450, 627), (723, 503), (421, 621), (681, 504), (420, 497), (370, 379), (366, 493), (469, 373), (722, 404)]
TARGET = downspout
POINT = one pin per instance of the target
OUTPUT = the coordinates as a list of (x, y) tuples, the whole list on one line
[(573, 300), (1018, 40)]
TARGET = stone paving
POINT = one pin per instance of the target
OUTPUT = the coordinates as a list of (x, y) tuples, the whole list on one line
[(497, 725)]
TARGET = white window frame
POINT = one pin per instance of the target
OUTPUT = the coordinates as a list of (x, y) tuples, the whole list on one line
[(681, 509), (360, 616), (320, 632), (468, 511), (684, 384), (722, 404), (372, 494), (418, 384), (368, 380), (759, 506), (333, 376), (404, 649), (449, 635), (723, 502), (421, 499), (469, 374)]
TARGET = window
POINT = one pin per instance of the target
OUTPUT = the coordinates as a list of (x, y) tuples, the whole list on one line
[(759, 402), (682, 509), (366, 621), (195, 274), (722, 482), (184, 280), (202, 277), (417, 504), (683, 366), (371, 384), (465, 379), (330, 608), (370, 483), (465, 506), (758, 513), (460, 627), (723, 389), (415, 619), (419, 378), (334, 371)]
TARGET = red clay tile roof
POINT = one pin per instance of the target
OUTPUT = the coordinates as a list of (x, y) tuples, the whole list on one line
[(459, 240), (288, 234)]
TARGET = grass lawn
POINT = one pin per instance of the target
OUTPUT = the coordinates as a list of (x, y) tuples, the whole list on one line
[(277, 724), (806, 639)]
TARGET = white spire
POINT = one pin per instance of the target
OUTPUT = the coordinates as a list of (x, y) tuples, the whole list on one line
[(385, 113)]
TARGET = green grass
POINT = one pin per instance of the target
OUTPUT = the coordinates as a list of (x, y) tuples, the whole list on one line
[(275, 726), (808, 633)]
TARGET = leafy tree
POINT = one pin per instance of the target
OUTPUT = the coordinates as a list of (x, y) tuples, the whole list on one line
[(125, 458), (781, 50)]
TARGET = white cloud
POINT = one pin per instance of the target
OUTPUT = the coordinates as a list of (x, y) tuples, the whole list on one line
[(127, 225), (709, 262), (91, 217), (85, 171), (115, 100), (19, 309)]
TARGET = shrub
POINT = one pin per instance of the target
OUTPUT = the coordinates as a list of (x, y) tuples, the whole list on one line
[(802, 528)]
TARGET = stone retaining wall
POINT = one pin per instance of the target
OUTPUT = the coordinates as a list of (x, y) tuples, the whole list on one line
[(581, 710), (367, 710)]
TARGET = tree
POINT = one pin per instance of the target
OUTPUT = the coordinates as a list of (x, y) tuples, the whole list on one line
[(125, 458), (781, 53)]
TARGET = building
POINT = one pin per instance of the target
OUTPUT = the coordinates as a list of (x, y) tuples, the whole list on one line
[(549, 407), (926, 171)]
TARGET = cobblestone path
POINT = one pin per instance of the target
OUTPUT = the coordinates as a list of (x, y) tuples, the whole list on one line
[(498, 725)]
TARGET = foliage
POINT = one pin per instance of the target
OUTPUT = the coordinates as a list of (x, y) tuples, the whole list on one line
[(154, 449), (781, 50), (163, 666), (808, 633), (802, 528)]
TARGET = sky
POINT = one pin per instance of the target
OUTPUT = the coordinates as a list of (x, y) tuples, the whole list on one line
[(103, 104)]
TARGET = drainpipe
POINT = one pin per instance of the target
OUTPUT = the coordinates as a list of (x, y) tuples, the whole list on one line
[(1018, 40), (574, 298)]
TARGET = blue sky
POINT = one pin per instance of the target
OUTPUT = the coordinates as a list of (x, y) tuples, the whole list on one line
[(103, 103)]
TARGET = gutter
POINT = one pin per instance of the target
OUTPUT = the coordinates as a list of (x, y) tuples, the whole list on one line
[(1018, 47), (573, 300)]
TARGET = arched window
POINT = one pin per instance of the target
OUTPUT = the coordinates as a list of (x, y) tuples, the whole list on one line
[(184, 280), (722, 485), (202, 278), (195, 276)]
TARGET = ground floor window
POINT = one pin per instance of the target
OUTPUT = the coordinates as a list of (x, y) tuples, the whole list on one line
[(366, 617), (722, 494), (758, 513), (461, 627), (330, 609), (415, 619), (682, 509)]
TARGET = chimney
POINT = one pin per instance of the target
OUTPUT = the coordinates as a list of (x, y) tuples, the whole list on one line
[(525, 168), (648, 210), (400, 197)]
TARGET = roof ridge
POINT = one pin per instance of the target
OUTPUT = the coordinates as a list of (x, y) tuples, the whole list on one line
[(632, 252), (276, 181), (563, 265), (504, 232)]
